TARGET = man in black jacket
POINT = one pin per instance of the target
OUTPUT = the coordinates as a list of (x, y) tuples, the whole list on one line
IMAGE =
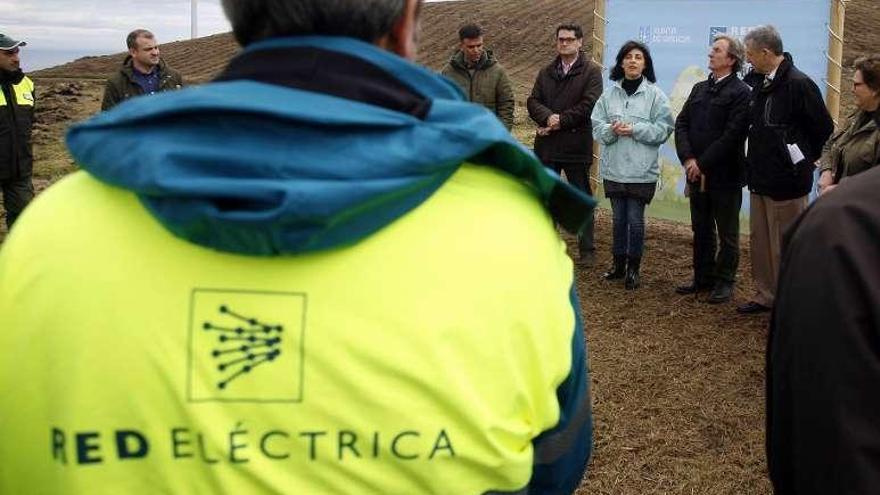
[(561, 102), (710, 134), (789, 126), (823, 361), (16, 123)]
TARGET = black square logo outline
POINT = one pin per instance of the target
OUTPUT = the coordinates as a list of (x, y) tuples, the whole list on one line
[(191, 335)]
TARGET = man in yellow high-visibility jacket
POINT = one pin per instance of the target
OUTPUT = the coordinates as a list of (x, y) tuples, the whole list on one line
[(323, 273), (16, 123)]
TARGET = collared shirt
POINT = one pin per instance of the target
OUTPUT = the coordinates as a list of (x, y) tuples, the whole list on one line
[(567, 67), (769, 77), (721, 78), (148, 82)]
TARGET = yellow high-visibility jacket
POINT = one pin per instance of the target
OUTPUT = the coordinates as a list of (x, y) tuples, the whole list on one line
[(404, 364), (323, 296)]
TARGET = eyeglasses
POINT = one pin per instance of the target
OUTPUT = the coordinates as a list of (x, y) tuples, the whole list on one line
[(563, 41), (12, 51)]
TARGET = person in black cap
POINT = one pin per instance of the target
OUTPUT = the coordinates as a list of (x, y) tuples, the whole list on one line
[(16, 122)]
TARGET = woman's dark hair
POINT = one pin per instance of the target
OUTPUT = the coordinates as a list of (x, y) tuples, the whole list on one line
[(617, 70), (869, 66)]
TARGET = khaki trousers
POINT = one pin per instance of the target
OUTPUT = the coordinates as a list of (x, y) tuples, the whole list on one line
[(769, 221)]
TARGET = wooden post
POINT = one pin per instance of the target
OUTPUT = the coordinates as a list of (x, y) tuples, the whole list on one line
[(599, 22), (598, 51), (835, 58)]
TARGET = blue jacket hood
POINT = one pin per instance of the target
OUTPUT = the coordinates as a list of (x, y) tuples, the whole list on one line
[(263, 169)]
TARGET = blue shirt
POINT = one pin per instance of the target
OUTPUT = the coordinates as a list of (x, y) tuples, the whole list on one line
[(148, 82)]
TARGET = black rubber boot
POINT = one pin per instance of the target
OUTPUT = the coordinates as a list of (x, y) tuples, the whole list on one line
[(617, 270), (631, 282)]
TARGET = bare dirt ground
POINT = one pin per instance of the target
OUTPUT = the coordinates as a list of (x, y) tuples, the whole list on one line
[(677, 383)]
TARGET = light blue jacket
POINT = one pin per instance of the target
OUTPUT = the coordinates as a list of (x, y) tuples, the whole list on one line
[(632, 159)]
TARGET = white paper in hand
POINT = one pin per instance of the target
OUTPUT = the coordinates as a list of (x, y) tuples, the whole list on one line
[(794, 152)]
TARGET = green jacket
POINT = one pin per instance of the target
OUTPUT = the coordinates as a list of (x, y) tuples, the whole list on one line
[(853, 148), (489, 86), (121, 85)]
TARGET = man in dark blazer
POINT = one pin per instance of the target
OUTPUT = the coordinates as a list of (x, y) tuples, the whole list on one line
[(710, 134), (560, 104), (788, 126)]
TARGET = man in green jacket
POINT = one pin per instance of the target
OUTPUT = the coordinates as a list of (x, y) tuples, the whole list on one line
[(143, 72), (480, 76)]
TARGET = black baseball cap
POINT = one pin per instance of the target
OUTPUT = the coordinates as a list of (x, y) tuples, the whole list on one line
[(7, 43)]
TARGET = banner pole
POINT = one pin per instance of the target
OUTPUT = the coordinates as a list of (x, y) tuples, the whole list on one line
[(598, 53), (835, 58)]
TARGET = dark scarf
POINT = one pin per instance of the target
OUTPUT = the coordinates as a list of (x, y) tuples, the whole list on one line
[(631, 85)]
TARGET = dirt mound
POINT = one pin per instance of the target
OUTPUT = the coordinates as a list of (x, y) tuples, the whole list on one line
[(519, 31), (57, 106), (198, 60)]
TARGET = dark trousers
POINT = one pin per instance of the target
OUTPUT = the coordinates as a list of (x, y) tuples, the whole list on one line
[(17, 193), (628, 226), (715, 223), (578, 175)]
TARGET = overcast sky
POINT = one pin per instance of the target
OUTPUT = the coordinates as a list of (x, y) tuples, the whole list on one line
[(101, 25)]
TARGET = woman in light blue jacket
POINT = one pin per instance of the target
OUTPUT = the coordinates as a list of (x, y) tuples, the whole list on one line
[(631, 120)]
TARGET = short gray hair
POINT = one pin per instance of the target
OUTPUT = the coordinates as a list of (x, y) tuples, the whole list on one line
[(734, 49), (765, 37), (366, 20)]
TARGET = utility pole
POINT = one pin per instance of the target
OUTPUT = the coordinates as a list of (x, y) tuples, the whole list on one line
[(194, 10)]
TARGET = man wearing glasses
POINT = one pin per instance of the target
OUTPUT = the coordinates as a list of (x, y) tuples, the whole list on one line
[(16, 122), (560, 104)]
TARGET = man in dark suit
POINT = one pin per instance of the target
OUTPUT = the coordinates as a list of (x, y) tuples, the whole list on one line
[(710, 134)]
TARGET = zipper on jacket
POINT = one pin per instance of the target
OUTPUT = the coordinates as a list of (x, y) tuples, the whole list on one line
[(767, 111), (11, 101)]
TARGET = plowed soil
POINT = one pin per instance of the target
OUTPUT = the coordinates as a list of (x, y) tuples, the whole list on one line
[(677, 384)]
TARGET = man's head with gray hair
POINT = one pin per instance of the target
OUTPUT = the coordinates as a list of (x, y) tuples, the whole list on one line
[(735, 50), (764, 37), (366, 20), (764, 48)]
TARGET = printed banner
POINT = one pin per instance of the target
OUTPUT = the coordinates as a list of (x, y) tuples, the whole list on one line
[(679, 34)]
